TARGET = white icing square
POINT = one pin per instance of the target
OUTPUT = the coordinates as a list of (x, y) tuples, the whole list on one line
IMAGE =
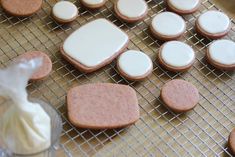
[(95, 42)]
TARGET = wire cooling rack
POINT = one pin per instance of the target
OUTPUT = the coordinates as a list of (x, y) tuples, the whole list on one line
[(159, 132)]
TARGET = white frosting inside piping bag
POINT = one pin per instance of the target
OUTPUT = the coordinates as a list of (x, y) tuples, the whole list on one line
[(95, 42), (184, 5), (25, 126), (214, 22), (223, 52), (132, 8)]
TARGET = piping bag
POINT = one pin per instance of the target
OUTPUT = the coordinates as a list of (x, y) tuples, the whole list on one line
[(25, 128)]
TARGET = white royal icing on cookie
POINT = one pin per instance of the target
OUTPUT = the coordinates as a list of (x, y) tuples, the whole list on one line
[(135, 63), (177, 54), (167, 23), (95, 42), (65, 10), (223, 52), (214, 22), (184, 5), (132, 8), (93, 2)]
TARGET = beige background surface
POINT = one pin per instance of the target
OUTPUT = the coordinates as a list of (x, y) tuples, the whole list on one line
[(227, 5)]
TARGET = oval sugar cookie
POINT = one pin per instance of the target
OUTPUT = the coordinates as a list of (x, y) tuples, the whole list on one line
[(102, 106), (221, 54), (93, 4), (183, 6), (131, 10), (134, 65), (64, 12), (167, 26), (179, 95), (21, 7), (231, 141), (176, 56), (213, 24), (45, 68)]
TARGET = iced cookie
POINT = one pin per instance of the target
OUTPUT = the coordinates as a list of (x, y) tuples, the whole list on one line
[(64, 12), (221, 54), (167, 26), (176, 56), (134, 65), (21, 7), (131, 10), (102, 106), (94, 45), (183, 6), (93, 4), (231, 142), (179, 95), (45, 68), (213, 24)]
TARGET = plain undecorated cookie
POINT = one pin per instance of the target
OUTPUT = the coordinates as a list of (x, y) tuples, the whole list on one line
[(93, 4), (21, 7), (179, 95), (176, 56), (183, 6), (231, 141), (134, 65), (102, 106), (89, 49), (64, 12), (221, 54), (45, 68), (131, 10), (167, 26), (213, 24)]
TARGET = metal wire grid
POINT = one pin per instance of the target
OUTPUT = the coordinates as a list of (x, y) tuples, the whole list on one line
[(159, 132)]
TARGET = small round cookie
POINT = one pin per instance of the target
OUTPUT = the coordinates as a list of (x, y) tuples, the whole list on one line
[(93, 4), (45, 68), (21, 8), (213, 24), (64, 12), (179, 95), (167, 26), (131, 10), (231, 142), (134, 65), (176, 56), (221, 54), (183, 6)]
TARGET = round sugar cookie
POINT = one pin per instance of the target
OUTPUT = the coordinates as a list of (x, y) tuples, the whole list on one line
[(93, 4), (45, 68), (64, 12), (213, 24), (231, 141), (131, 10), (183, 6), (179, 95), (134, 65), (176, 56), (21, 7), (221, 54), (167, 26)]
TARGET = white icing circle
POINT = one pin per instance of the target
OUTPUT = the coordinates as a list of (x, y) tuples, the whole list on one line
[(93, 2), (132, 8), (168, 23), (177, 54), (214, 22), (65, 10), (184, 5), (135, 63), (223, 52), (95, 42)]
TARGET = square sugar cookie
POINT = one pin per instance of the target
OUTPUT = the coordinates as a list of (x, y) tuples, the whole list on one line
[(94, 45)]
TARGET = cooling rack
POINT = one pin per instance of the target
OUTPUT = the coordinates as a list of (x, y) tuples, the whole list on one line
[(159, 132)]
